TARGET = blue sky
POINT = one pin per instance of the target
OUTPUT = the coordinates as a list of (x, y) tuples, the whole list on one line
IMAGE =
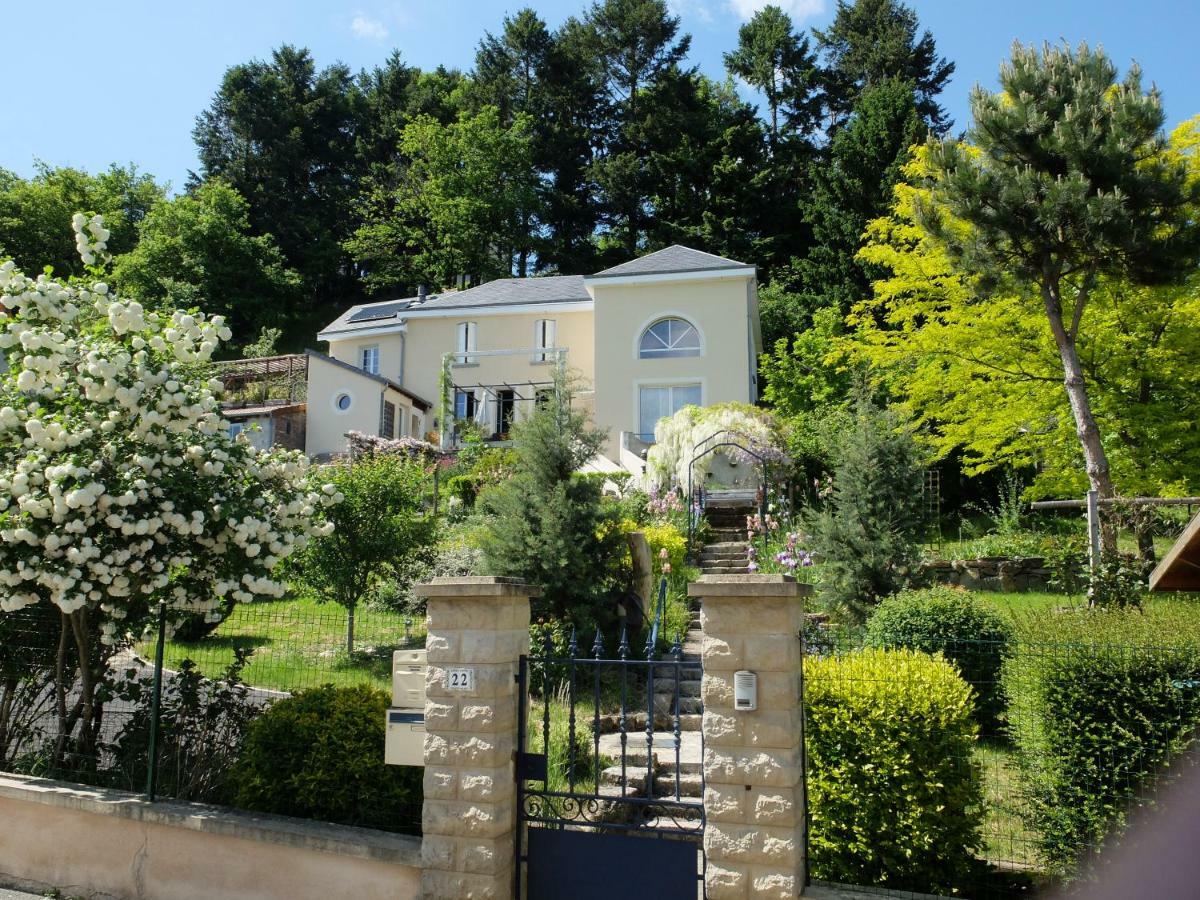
[(124, 84)]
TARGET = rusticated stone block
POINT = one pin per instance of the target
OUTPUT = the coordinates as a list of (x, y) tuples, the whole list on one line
[(724, 881), (762, 768)]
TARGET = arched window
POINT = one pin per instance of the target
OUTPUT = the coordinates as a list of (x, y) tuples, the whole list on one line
[(669, 338)]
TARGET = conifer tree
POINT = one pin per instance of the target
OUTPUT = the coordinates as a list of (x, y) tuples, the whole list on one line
[(1068, 180), (550, 526)]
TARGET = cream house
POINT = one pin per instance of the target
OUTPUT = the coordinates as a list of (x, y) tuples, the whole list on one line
[(643, 339)]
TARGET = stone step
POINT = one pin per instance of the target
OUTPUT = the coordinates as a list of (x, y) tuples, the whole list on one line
[(691, 784), (728, 535), (690, 752), (634, 775), (726, 570)]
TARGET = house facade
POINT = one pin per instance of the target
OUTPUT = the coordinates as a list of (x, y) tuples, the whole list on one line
[(640, 340)]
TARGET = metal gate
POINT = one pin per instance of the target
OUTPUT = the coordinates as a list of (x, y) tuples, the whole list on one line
[(609, 775)]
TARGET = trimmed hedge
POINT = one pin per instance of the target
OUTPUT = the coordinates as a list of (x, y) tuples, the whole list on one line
[(1099, 708), (319, 755), (895, 795), (950, 621)]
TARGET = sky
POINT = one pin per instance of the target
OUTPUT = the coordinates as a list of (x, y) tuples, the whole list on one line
[(125, 82)]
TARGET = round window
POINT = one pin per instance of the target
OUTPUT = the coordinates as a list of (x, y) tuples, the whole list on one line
[(342, 402)]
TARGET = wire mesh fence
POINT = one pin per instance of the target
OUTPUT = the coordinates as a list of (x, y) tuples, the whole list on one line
[(268, 709), (1070, 741)]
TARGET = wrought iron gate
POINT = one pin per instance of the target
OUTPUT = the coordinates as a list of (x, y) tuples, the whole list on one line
[(609, 776)]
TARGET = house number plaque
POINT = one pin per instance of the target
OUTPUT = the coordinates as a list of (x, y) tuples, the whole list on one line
[(460, 680)]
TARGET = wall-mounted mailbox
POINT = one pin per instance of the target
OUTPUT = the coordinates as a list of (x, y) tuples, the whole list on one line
[(408, 679), (745, 691), (405, 741)]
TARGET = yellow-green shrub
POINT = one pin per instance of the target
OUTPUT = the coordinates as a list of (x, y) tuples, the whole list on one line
[(894, 792)]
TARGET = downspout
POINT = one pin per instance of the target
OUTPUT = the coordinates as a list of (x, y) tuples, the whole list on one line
[(403, 344)]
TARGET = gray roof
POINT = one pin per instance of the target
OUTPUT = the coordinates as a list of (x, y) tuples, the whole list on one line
[(672, 260), (512, 291), (370, 315)]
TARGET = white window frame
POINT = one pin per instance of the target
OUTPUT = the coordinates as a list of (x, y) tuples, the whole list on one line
[(664, 316), (681, 382), (545, 336), (466, 340), (368, 359)]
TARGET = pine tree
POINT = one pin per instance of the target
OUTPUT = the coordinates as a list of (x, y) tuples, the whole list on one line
[(1068, 181), (550, 525)]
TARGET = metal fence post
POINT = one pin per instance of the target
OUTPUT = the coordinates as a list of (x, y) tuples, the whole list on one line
[(155, 704)]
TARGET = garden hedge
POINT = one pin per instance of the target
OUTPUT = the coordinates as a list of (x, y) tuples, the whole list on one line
[(950, 621), (319, 755), (1100, 704), (895, 796)]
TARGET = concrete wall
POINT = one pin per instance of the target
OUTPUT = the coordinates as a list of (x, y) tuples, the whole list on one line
[(720, 310), (109, 844)]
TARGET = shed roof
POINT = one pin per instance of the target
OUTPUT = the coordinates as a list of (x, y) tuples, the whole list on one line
[(1180, 568)]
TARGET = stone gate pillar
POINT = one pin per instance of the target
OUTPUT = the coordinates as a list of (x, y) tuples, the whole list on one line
[(753, 761), (478, 629)]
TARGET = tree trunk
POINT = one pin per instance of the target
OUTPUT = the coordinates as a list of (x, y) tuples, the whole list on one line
[(349, 630), (87, 686), (1095, 459)]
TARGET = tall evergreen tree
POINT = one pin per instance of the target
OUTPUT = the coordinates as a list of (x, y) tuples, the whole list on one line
[(852, 187), (637, 51), (283, 135), (773, 58), (1070, 182), (873, 41)]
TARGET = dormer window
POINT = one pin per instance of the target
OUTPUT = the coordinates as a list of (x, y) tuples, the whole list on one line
[(669, 338)]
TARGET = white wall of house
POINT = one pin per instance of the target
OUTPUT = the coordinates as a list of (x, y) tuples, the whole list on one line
[(340, 400)]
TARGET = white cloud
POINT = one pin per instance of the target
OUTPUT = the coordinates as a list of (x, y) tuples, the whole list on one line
[(799, 10), (697, 8), (367, 28)]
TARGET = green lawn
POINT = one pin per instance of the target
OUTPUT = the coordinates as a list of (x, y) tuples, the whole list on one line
[(298, 643)]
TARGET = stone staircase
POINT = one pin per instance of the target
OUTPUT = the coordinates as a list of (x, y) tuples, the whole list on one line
[(727, 552)]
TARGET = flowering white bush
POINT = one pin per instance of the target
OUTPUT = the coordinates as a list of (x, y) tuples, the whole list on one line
[(677, 437), (119, 483)]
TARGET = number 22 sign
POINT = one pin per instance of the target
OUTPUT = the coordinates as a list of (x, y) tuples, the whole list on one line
[(460, 679)]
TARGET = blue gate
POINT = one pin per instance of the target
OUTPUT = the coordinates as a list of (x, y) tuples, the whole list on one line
[(609, 775)]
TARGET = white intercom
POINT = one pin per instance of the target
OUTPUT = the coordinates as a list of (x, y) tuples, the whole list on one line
[(745, 691)]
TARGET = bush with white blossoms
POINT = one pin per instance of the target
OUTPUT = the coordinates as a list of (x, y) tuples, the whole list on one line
[(119, 483), (677, 437)]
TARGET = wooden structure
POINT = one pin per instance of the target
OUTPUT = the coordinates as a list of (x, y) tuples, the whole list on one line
[(1180, 568)]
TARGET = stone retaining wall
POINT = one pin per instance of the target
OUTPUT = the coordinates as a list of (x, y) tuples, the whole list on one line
[(992, 573)]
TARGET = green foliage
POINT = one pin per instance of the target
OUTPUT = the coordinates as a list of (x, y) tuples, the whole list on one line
[(551, 526), (894, 792), (29, 641), (854, 185), (283, 135), (202, 725), (198, 250), (1067, 182), (1118, 581), (34, 213), (1099, 706), (978, 370), (865, 533), (462, 202), (777, 61), (319, 755), (870, 41), (949, 621), (379, 526)]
